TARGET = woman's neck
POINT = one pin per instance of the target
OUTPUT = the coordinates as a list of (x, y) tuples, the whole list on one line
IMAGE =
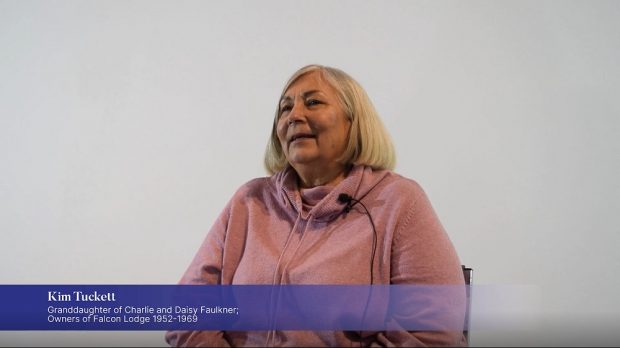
[(311, 177)]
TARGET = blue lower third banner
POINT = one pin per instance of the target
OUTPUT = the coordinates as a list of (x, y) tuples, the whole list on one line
[(232, 307)]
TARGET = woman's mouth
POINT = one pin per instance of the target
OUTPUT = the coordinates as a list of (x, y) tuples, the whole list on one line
[(301, 137)]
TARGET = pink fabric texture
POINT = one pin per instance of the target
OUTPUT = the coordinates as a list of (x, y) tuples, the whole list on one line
[(271, 233)]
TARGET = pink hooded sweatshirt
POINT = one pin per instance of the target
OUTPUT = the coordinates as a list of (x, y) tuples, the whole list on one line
[(271, 232)]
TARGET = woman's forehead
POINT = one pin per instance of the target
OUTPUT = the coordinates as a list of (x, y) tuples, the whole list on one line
[(307, 84)]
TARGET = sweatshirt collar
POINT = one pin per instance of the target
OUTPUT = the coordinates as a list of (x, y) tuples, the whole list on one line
[(357, 184)]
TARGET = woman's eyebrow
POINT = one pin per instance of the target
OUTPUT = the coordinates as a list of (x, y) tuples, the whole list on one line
[(285, 99), (304, 95), (309, 93)]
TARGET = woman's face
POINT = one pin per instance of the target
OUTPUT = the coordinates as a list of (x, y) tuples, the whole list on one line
[(312, 126)]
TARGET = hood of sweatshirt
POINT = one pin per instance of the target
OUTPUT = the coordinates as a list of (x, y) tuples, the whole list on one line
[(357, 184)]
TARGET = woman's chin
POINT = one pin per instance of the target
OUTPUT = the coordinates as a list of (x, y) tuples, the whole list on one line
[(302, 158), (300, 162), (303, 165)]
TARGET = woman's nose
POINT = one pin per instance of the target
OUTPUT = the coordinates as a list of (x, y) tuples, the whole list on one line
[(296, 114)]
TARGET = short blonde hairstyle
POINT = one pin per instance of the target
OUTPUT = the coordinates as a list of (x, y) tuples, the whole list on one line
[(369, 142)]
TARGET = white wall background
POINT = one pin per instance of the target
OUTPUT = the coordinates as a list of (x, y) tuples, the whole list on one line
[(126, 126)]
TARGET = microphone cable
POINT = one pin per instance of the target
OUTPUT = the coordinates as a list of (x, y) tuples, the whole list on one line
[(347, 199)]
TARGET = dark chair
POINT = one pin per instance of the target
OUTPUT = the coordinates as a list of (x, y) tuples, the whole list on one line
[(468, 274)]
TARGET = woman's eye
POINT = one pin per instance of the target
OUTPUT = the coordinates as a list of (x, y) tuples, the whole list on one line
[(313, 102), (285, 108)]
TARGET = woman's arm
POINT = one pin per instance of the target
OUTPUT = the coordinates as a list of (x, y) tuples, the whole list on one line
[(206, 268), (422, 254)]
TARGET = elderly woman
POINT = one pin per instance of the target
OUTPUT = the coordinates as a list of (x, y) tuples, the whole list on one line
[(308, 223)]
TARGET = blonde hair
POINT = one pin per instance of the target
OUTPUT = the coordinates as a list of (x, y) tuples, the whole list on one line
[(369, 142)]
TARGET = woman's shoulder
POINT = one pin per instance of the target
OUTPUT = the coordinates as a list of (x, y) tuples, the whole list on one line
[(255, 188), (401, 185), (402, 193), (257, 184)]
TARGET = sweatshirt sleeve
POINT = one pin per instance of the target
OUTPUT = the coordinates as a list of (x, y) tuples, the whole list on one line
[(422, 254), (206, 268)]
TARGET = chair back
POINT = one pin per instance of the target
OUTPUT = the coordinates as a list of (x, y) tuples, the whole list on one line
[(468, 274)]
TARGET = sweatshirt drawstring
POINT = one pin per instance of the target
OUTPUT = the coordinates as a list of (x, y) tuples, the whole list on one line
[(301, 241), (271, 334)]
